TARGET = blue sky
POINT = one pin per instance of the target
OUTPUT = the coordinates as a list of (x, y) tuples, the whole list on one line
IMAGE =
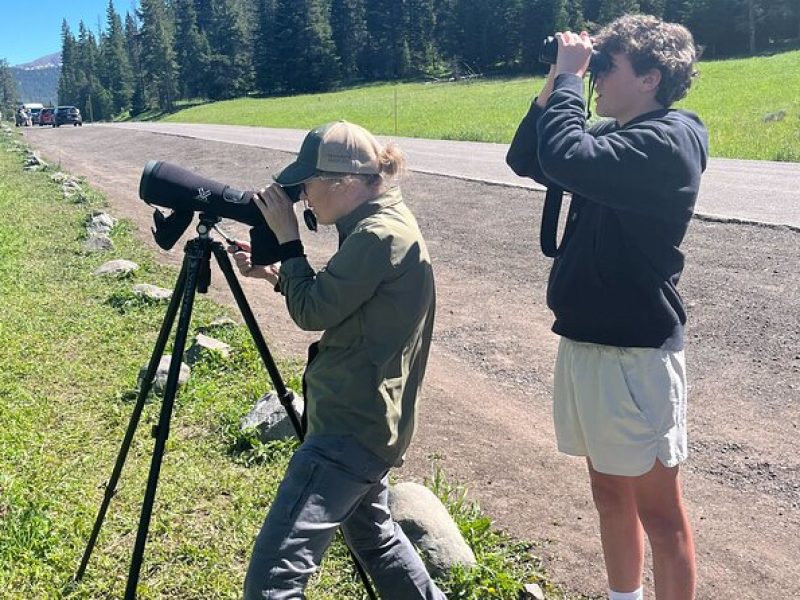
[(30, 30)]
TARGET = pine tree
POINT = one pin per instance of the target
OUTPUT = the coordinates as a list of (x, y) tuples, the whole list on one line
[(9, 95), (191, 51), (386, 55), (420, 26), (305, 54), (204, 9), (653, 7), (611, 9), (230, 64), (116, 73), (538, 21), (445, 29), (92, 97), (714, 25), (482, 33), (138, 99), (349, 32), (67, 86), (264, 59), (157, 55), (676, 11)]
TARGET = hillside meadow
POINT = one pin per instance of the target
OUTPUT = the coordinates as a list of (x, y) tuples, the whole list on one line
[(751, 107)]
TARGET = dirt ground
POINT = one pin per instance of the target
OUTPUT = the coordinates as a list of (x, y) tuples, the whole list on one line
[(485, 418)]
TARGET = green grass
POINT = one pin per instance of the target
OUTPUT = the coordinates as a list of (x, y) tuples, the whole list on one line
[(732, 97), (72, 346)]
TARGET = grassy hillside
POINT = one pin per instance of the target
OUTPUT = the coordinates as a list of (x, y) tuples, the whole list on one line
[(751, 107)]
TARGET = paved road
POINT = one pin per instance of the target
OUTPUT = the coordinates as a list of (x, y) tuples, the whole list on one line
[(750, 190)]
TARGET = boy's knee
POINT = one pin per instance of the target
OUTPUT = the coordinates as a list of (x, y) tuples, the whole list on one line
[(663, 526), (610, 498)]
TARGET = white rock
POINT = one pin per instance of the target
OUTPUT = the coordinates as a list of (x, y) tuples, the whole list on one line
[(118, 268), (152, 292)]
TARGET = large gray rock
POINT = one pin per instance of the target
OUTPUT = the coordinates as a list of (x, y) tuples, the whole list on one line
[(100, 222), (98, 242), (430, 527), (270, 419), (34, 162), (162, 372)]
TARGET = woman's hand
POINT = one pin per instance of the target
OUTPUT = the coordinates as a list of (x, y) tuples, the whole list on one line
[(574, 53), (242, 257), (278, 212)]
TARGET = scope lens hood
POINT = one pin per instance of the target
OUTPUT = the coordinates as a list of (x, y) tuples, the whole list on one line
[(149, 171)]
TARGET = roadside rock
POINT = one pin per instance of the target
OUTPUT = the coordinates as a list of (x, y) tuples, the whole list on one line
[(98, 242), (270, 419), (162, 372), (429, 526), (151, 292), (117, 268), (204, 344)]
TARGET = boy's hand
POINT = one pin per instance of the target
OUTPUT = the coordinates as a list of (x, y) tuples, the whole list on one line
[(574, 53)]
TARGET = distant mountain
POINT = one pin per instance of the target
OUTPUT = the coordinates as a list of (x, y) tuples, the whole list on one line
[(51, 60), (38, 79)]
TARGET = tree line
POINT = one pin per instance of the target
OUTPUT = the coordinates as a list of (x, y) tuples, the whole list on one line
[(169, 50)]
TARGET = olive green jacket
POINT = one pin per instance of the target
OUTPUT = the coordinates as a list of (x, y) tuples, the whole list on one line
[(375, 303)]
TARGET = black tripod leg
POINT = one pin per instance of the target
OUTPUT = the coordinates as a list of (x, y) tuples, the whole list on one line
[(284, 395), (147, 382), (197, 255)]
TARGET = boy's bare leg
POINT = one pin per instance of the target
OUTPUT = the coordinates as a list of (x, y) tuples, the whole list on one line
[(620, 530), (661, 511)]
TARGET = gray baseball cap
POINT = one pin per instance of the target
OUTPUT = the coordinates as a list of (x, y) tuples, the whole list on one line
[(336, 147)]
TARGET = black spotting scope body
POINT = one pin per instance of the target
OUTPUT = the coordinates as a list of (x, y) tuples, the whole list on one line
[(185, 192), (171, 186), (548, 54)]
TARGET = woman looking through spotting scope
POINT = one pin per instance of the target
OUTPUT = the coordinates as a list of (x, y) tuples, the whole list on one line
[(374, 303)]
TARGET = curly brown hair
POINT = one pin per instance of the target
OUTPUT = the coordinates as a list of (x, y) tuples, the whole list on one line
[(651, 43)]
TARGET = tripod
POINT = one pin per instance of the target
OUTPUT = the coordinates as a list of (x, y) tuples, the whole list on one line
[(195, 276)]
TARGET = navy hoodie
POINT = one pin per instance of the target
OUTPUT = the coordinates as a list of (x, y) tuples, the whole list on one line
[(633, 189)]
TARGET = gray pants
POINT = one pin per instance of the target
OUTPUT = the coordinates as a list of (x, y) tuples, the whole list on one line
[(334, 481)]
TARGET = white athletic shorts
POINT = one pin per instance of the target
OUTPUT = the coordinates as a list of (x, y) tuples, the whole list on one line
[(621, 407)]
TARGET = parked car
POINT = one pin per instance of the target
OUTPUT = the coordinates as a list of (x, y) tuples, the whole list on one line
[(35, 115), (65, 115), (46, 117)]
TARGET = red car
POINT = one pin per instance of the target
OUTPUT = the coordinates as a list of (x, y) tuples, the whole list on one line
[(46, 117)]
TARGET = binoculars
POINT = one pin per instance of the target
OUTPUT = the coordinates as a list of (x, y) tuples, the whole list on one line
[(548, 54)]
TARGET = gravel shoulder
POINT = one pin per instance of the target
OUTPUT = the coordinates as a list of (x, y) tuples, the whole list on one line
[(485, 418)]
